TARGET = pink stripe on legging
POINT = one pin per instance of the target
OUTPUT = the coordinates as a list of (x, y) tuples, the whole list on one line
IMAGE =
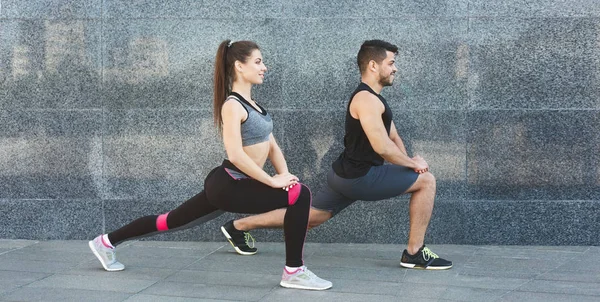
[(294, 193), (308, 223), (161, 222)]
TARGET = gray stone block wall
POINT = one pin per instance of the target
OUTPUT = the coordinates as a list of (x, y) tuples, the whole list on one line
[(105, 111)]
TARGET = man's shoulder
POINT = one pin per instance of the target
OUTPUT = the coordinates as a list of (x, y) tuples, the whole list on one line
[(366, 101), (363, 94)]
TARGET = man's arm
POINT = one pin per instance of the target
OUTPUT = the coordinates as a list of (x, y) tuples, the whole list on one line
[(368, 109), (396, 139)]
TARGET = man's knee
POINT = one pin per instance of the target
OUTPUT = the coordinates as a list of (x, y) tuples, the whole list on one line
[(427, 179), (317, 217)]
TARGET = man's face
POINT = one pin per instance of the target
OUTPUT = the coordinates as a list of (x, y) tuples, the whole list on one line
[(387, 69)]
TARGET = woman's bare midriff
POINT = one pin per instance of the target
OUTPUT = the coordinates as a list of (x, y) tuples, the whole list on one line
[(258, 153)]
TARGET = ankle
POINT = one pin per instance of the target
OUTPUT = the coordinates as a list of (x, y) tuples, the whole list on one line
[(238, 226), (412, 250)]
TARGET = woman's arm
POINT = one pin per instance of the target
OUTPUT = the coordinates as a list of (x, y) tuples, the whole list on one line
[(233, 114), (276, 156)]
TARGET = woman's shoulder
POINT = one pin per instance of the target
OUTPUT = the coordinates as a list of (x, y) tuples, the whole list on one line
[(232, 108), (232, 102)]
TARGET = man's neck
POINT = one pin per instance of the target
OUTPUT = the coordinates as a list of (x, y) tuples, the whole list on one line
[(374, 84)]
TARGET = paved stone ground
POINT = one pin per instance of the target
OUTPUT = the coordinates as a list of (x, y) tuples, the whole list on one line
[(211, 271)]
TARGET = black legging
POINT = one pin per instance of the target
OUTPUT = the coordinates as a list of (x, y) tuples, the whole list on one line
[(227, 189)]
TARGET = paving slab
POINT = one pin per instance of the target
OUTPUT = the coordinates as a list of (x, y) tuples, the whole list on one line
[(211, 291), (57, 270), (10, 280), (62, 294), (544, 297), (109, 282), (158, 298)]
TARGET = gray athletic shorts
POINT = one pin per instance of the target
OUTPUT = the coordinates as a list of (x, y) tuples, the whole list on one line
[(381, 182)]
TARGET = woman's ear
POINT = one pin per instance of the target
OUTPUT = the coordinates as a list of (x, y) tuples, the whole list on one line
[(238, 66)]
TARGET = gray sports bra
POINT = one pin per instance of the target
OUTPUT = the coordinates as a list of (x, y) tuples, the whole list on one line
[(258, 126)]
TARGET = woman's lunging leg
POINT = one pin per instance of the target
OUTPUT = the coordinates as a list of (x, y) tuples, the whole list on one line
[(295, 224), (196, 209), (183, 216)]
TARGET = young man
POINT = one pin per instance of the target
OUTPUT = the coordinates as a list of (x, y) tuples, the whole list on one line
[(359, 172)]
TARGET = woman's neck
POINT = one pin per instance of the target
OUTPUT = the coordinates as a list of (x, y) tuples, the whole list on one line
[(243, 89)]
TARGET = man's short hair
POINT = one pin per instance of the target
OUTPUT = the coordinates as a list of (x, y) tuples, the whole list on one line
[(373, 50)]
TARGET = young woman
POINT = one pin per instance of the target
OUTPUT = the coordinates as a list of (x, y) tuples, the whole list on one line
[(240, 184)]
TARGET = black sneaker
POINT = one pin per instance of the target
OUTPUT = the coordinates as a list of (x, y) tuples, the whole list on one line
[(424, 259), (238, 239)]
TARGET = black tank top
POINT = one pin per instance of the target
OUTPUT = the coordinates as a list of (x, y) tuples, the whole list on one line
[(358, 156)]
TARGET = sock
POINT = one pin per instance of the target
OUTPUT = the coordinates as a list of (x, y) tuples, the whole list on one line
[(106, 242), (291, 270)]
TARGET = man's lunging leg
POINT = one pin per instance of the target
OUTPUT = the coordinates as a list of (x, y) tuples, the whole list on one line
[(420, 209), (417, 255), (239, 229)]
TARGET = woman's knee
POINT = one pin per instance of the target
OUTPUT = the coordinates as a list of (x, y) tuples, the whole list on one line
[(299, 194)]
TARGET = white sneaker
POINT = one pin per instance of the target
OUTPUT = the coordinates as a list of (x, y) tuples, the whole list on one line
[(106, 255), (302, 278)]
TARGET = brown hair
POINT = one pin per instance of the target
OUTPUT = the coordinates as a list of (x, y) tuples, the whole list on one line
[(227, 53), (373, 50)]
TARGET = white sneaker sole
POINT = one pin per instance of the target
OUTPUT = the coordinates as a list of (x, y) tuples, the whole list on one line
[(410, 265), (93, 248), (233, 245), (298, 286)]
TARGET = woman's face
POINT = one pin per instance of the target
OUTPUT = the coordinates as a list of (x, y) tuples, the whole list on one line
[(253, 71)]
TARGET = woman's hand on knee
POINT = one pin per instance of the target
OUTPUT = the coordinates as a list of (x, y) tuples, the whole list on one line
[(284, 181)]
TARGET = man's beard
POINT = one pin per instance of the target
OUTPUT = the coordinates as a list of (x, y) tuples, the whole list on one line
[(386, 81)]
